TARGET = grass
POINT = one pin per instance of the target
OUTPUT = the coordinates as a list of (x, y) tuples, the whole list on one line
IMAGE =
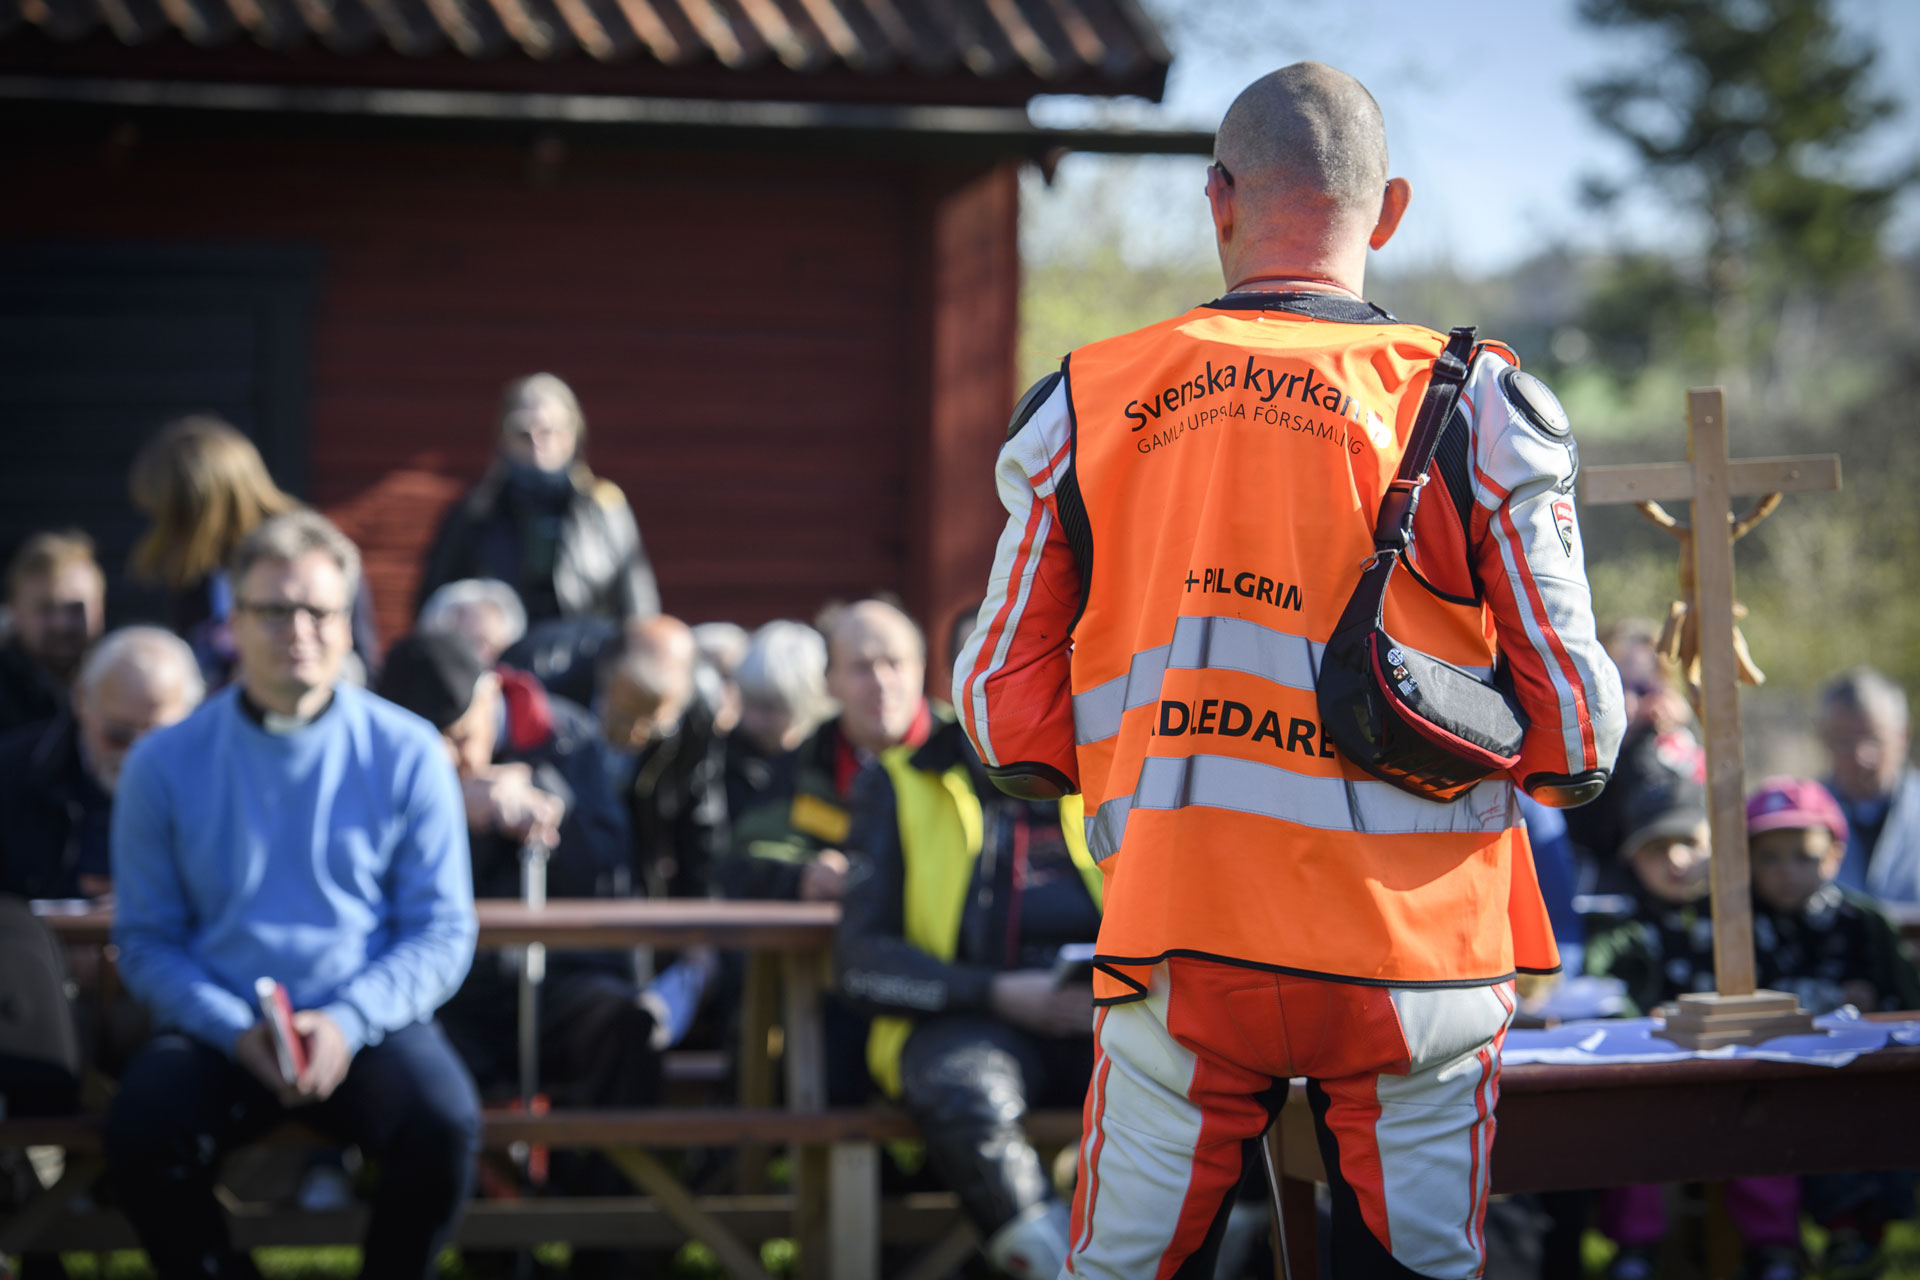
[(694, 1261)]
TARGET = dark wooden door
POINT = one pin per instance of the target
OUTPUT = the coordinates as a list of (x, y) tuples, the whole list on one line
[(100, 344)]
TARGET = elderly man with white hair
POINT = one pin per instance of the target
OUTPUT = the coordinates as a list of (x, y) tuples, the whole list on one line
[(789, 845), (1865, 724), (486, 611), (57, 779), (783, 697)]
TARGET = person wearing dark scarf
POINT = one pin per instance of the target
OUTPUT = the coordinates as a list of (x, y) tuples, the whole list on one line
[(541, 522)]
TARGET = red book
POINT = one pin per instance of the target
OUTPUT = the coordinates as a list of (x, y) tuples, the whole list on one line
[(277, 1011)]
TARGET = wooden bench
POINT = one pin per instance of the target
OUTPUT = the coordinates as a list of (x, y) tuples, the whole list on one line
[(731, 1225), (833, 1211), (787, 945)]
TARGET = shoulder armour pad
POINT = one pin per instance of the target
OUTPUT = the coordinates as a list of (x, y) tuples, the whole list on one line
[(1499, 348), (1030, 402), (1541, 406)]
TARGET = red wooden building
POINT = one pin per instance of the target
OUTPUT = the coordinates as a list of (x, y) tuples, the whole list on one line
[(771, 243)]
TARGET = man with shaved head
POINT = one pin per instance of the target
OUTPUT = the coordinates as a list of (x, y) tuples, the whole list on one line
[(1191, 508), (673, 772), (1865, 724), (57, 779)]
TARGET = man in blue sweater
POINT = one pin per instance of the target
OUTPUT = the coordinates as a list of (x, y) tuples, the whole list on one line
[(299, 829)]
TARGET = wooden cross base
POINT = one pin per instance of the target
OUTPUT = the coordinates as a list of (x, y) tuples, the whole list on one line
[(1708, 1021)]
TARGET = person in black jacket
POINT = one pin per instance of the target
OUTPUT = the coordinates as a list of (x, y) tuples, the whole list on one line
[(783, 699), (957, 964), (542, 523), (671, 759), (56, 805), (57, 778), (56, 598), (533, 771)]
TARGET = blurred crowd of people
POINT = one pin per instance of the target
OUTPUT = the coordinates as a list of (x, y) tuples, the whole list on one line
[(263, 792), (1629, 876)]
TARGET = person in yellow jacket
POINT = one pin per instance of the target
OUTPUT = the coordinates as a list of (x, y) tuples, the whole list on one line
[(958, 905), (1190, 508)]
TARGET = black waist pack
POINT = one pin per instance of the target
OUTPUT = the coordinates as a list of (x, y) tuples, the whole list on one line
[(1406, 717)]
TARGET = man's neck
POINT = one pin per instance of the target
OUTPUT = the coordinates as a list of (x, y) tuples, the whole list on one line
[(284, 709), (915, 735), (1296, 264), (1290, 282)]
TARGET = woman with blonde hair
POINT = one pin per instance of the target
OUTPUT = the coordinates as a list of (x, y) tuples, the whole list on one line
[(204, 486), (544, 524)]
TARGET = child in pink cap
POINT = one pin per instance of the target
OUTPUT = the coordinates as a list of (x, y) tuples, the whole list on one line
[(1828, 945)]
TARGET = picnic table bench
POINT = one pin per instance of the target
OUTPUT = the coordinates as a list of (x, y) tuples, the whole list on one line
[(788, 945)]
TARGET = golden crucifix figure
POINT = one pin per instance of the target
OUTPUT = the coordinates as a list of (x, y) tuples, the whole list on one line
[(1680, 637)]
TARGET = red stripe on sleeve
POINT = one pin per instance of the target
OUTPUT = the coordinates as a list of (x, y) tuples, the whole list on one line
[(1539, 605), (994, 632)]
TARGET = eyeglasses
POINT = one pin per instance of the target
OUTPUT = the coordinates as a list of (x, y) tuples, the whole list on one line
[(1225, 175), (281, 613)]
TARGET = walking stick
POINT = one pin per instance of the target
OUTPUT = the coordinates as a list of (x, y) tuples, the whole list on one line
[(533, 971)]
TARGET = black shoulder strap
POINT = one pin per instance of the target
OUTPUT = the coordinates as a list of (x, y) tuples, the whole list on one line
[(1394, 527)]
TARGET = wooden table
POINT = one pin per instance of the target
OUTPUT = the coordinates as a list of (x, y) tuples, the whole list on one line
[(599, 924), (788, 945), (1572, 1127)]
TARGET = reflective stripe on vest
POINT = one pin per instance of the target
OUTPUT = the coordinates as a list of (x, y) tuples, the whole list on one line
[(1212, 643), (1220, 644), (1327, 804), (1230, 465), (942, 829)]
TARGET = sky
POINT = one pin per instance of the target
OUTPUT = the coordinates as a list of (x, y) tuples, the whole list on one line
[(1482, 118)]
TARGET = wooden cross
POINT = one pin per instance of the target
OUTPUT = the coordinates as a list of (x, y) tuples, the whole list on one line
[(1735, 1012)]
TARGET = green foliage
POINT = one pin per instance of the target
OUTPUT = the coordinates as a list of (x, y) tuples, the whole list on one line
[(1746, 120), (1067, 304), (1647, 310), (1741, 118)]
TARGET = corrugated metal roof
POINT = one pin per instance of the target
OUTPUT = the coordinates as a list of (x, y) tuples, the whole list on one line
[(1104, 42)]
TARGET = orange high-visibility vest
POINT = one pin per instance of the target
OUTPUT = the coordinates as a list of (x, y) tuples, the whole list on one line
[(1230, 465)]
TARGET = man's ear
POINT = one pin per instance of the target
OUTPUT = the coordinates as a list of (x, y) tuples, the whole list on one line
[(1220, 203), (1393, 207)]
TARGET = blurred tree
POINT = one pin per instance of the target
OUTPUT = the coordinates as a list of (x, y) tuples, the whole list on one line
[(1747, 116)]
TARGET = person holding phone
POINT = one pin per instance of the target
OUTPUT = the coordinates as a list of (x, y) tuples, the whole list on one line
[(298, 829)]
